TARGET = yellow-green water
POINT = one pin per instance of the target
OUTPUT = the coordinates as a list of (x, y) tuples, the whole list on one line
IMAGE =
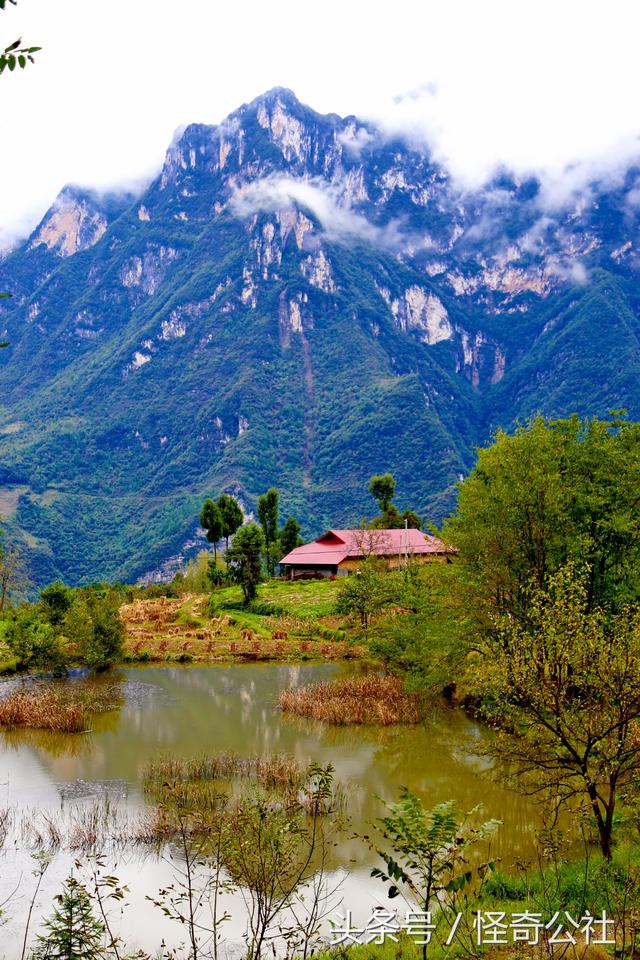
[(187, 711)]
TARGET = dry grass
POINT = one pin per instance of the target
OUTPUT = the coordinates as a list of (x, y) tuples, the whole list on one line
[(43, 710), (165, 630), (371, 699), (60, 706), (270, 771)]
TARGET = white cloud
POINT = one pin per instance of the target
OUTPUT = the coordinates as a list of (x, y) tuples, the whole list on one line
[(339, 221), (539, 86)]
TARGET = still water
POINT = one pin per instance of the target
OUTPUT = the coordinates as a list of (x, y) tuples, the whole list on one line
[(192, 711)]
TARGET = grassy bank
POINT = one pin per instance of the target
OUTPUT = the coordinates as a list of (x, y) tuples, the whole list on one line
[(288, 621)]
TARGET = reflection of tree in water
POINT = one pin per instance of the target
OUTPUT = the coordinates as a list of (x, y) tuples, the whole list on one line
[(436, 759)]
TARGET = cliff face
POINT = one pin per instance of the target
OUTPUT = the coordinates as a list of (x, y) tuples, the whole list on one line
[(295, 301)]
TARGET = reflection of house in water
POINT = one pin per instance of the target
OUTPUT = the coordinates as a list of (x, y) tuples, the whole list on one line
[(340, 552)]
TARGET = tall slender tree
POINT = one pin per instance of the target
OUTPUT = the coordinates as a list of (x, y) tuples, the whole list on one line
[(211, 521), (232, 516), (268, 517)]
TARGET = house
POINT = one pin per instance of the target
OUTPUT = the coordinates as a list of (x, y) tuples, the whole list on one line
[(339, 552)]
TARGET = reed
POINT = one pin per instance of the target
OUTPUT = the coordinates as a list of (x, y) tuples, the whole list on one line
[(43, 709), (62, 705), (373, 699), (275, 770)]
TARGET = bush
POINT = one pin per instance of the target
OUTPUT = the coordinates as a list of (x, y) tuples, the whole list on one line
[(34, 643)]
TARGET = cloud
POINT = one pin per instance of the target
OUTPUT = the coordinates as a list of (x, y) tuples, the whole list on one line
[(573, 271), (337, 218), (355, 139)]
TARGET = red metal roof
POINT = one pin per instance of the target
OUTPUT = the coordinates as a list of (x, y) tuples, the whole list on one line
[(334, 546)]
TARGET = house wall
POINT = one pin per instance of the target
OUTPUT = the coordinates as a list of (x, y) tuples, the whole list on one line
[(293, 572), (351, 564)]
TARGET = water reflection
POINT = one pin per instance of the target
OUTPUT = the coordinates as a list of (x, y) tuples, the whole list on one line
[(191, 711)]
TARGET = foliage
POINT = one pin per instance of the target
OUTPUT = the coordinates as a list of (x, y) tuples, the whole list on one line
[(567, 684), (365, 592), (428, 849), (13, 576), (56, 600), (196, 576), (557, 490), (211, 521), (290, 537), (268, 517), (73, 932), (243, 559), (15, 55), (421, 635), (383, 488), (231, 514), (34, 642), (93, 626)]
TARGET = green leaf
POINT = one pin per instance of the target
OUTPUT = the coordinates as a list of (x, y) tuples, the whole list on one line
[(22, 60), (11, 62)]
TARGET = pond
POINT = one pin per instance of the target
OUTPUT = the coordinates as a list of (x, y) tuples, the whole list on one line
[(192, 711)]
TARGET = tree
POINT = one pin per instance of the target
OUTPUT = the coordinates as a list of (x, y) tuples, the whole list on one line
[(34, 642), (556, 490), (568, 683), (13, 575), (428, 851), (268, 517), (73, 932), (56, 600), (366, 592), (243, 559), (413, 520), (92, 624), (232, 516), (271, 850), (211, 521), (290, 537), (383, 488)]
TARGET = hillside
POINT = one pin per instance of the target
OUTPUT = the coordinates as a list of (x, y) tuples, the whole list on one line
[(295, 301)]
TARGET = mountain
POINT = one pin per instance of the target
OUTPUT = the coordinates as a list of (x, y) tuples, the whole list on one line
[(297, 300)]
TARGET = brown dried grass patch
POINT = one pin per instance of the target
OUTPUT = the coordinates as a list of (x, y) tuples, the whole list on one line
[(371, 699)]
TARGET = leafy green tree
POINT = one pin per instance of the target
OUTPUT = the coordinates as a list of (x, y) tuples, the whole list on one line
[(413, 520), (268, 517), (365, 592), (244, 559), (428, 851), (34, 642), (389, 519), (211, 521), (92, 625), (383, 488), (290, 537), (568, 681), (73, 932), (56, 600), (421, 638), (556, 490), (232, 516)]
